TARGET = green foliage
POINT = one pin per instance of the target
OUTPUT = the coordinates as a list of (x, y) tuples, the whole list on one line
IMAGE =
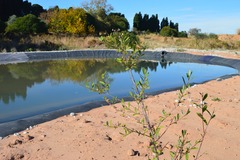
[(73, 21), (154, 130), (168, 32), (11, 19), (118, 22), (101, 86), (164, 23), (213, 36), (137, 21), (126, 43), (194, 31), (145, 23), (28, 24), (182, 34), (216, 99)]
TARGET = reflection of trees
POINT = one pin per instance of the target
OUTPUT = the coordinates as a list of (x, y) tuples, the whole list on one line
[(16, 78), (164, 63), (147, 65), (13, 84)]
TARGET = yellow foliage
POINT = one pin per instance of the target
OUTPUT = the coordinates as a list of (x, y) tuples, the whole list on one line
[(72, 21)]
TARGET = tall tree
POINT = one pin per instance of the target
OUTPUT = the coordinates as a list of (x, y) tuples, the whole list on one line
[(118, 21), (97, 8), (164, 22), (137, 21), (145, 23), (153, 24)]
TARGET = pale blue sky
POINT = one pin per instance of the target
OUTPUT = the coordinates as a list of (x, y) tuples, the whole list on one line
[(211, 16)]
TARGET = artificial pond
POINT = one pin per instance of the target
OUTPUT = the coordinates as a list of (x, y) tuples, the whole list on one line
[(37, 87)]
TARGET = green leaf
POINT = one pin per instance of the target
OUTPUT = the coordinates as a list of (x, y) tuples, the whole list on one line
[(205, 97), (213, 116), (172, 154), (157, 131), (184, 132), (204, 108), (187, 156), (203, 119)]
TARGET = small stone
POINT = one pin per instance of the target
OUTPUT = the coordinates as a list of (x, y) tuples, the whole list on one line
[(72, 114), (17, 142), (230, 100), (25, 132), (81, 115), (177, 101), (43, 136), (194, 86), (1, 138), (87, 121), (219, 79), (108, 138), (28, 137), (133, 153), (16, 134)]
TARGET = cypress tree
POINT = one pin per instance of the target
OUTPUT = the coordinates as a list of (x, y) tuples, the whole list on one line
[(137, 21)]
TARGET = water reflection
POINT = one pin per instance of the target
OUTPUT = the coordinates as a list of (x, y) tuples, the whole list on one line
[(15, 79)]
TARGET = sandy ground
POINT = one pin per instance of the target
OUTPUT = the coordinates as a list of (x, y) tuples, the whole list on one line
[(84, 136)]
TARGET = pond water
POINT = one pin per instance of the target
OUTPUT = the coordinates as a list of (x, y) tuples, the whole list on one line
[(28, 89)]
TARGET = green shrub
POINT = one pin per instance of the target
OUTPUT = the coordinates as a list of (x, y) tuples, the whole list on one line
[(182, 34), (213, 36), (28, 24), (168, 32)]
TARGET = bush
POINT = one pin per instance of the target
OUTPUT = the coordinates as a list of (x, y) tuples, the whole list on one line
[(28, 24), (168, 32), (182, 34), (213, 36)]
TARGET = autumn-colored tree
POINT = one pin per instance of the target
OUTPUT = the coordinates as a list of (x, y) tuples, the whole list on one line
[(73, 21)]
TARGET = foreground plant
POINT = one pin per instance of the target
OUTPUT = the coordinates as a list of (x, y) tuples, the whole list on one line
[(129, 45)]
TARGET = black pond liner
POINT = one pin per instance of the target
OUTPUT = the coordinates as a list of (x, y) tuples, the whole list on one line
[(19, 125)]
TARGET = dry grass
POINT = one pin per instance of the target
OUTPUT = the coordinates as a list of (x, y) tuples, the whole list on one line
[(70, 42), (153, 41)]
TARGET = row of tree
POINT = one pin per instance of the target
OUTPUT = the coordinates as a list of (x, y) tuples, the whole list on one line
[(90, 19), (144, 23), (21, 17), (152, 24)]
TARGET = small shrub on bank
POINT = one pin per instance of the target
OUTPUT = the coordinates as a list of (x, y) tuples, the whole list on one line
[(131, 49)]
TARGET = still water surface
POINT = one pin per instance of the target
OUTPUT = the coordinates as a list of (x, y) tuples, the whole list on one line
[(28, 89)]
